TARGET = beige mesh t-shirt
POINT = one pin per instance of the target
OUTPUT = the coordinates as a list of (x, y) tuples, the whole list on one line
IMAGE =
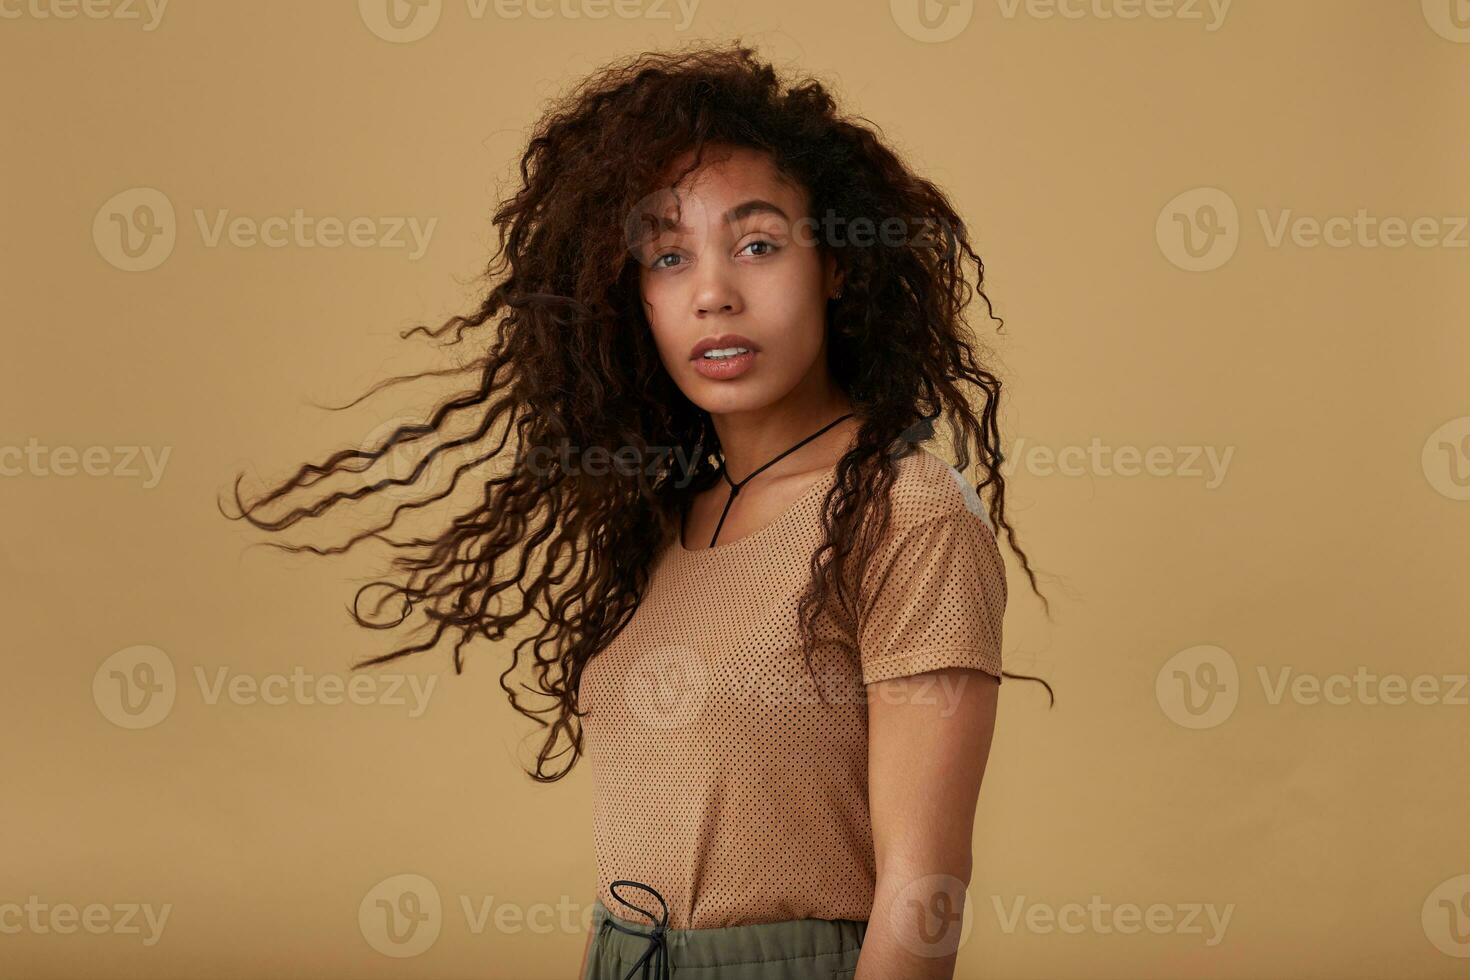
[(720, 777)]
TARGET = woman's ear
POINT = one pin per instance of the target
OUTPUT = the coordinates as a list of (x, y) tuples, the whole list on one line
[(834, 276)]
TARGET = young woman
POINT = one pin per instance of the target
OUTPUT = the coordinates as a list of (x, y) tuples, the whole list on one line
[(722, 321)]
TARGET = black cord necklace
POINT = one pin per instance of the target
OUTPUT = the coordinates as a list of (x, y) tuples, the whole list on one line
[(735, 487)]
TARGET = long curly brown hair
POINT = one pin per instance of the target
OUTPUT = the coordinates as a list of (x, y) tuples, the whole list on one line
[(570, 362)]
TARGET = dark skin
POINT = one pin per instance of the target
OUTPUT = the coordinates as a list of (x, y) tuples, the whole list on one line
[(734, 268), (771, 492)]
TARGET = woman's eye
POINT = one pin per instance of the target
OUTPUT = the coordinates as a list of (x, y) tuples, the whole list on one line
[(769, 246), (657, 259)]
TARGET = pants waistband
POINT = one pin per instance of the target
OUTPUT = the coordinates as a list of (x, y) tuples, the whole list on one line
[(728, 945)]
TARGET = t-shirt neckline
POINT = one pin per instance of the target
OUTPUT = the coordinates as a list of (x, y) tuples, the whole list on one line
[(698, 554)]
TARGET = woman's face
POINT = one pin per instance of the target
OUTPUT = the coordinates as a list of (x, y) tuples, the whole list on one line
[(740, 268)]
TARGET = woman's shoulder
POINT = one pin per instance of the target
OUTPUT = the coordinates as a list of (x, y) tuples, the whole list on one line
[(928, 486)]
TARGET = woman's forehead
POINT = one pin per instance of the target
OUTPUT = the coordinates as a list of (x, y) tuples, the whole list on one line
[(733, 172)]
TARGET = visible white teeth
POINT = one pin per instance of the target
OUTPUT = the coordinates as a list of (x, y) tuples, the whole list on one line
[(722, 352)]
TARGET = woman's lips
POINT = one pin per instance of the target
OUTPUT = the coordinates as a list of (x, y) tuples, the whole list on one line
[(722, 341), (724, 368)]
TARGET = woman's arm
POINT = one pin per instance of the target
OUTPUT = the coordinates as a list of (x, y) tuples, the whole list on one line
[(928, 740)]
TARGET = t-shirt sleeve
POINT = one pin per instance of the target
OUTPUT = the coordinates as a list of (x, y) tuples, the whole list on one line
[(933, 596)]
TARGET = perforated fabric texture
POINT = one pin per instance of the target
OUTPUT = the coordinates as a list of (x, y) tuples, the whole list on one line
[(720, 777)]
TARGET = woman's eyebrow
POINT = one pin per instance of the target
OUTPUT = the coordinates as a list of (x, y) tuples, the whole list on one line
[(755, 206), (742, 210)]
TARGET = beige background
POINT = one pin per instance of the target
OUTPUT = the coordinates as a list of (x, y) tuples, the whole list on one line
[(1334, 541)]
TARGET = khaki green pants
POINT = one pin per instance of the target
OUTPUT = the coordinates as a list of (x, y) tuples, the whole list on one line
[(797, 949)]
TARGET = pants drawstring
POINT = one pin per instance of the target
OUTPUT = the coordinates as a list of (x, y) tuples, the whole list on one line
[(655, 960)]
